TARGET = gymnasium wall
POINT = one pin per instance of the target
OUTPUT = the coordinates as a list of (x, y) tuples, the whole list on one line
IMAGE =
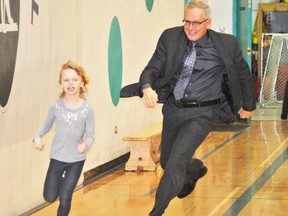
[(112, 39)]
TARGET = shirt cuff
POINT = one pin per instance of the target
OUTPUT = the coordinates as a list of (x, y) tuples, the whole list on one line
[(146, 85)]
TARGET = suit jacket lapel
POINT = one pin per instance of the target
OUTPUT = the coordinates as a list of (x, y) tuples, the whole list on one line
[(178, 50), (182, 47), (221, 47)]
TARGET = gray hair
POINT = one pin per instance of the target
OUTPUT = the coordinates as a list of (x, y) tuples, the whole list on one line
[(199, 4)]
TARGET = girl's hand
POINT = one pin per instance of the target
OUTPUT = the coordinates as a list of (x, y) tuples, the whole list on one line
[(37, 144), (81, 147)]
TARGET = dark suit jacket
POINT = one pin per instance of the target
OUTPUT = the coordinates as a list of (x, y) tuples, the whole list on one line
[(168, 56)]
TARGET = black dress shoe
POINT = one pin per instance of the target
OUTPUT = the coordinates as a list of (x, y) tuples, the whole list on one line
[(189, 187)]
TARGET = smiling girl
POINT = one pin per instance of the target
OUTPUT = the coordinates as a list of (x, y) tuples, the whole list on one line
[(74, 135)]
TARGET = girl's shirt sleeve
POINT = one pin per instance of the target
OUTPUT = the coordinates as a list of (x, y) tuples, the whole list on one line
[(48, 123), (90, 129)]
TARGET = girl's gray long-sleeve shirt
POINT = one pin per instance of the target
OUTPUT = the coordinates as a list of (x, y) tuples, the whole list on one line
[(71, 127)]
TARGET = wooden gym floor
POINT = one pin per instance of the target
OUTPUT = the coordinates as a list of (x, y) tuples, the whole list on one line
[(247, 175)]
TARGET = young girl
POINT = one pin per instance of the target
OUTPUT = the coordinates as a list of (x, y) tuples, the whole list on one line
[(74, 135)]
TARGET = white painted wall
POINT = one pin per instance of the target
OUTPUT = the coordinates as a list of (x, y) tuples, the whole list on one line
[(222, 15)]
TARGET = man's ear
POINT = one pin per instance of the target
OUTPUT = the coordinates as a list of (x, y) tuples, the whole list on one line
[(209, 22)]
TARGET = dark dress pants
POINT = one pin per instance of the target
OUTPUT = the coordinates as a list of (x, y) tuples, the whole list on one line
[(184, 129)]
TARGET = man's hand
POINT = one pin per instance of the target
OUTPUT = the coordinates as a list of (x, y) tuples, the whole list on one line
[(245, 114), (150, 97)]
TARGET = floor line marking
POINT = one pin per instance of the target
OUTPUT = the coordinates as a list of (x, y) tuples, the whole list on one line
[(220, 146), (274, 152), (245, 198), (224, 201)]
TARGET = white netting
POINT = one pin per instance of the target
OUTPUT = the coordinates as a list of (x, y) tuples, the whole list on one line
[(274, 69)]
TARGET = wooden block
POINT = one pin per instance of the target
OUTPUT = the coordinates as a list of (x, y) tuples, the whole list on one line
[(145, 134), (144, 149), (155, 148), (140, 157)]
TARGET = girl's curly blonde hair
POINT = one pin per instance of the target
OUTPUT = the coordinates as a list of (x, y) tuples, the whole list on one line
[(81, 72)]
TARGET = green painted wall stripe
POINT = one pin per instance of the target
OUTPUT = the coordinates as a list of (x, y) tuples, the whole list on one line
[(149, 5), (115, 61)]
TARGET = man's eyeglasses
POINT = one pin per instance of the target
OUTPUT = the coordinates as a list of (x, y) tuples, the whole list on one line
[(194, 24)]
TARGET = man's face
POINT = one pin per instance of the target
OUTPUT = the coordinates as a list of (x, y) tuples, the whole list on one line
[(195, 23)]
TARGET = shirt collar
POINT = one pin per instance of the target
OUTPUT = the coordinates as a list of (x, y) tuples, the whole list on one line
[(201, 42)]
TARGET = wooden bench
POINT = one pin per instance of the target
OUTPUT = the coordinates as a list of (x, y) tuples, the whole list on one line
[(144, 149)]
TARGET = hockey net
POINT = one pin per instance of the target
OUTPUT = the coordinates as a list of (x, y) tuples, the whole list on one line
[(274, 69)]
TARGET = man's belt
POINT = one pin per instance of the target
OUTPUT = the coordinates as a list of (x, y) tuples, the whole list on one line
[(187, 104)]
